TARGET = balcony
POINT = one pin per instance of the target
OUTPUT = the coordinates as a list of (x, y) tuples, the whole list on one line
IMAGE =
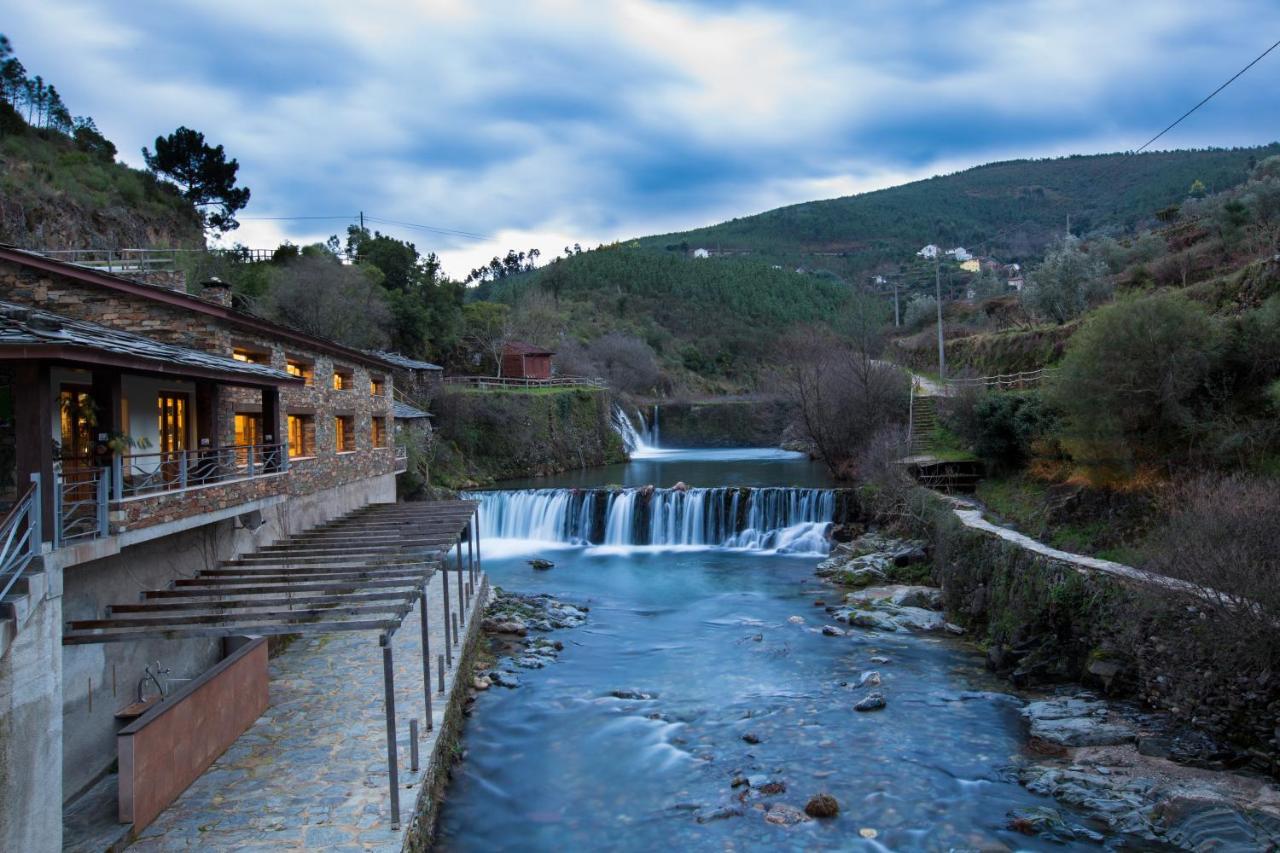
[(144, 490)]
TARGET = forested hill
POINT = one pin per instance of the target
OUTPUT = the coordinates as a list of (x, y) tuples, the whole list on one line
[(1010, 210)]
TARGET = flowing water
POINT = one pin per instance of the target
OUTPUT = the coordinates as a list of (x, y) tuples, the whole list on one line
[(691, 605)]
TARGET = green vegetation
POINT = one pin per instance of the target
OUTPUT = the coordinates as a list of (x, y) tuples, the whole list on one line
[(1011, 209), (203, 174), (719, 321)]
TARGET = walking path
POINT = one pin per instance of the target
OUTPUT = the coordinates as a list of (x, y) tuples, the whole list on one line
[(312, 771)]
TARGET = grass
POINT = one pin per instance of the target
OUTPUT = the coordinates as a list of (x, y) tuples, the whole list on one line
[(949, 447), (535, 392)]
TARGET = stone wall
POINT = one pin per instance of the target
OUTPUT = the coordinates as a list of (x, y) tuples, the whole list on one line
[(1045, 622)]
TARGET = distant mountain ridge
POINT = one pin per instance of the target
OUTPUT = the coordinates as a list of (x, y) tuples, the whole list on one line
[(1010, 210)]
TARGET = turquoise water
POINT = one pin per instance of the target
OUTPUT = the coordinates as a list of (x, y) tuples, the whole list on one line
[(560, 764)]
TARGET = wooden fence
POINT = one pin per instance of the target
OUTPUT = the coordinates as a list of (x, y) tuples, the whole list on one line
[(516, 382)]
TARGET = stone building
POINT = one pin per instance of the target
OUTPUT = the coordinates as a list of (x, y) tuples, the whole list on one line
[(146, 434)]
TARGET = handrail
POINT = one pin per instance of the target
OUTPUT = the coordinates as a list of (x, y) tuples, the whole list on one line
[(1005, 380), (20, 531), (148, 473), (520, 382)]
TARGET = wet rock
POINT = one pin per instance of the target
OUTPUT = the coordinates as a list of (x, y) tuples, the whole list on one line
[(871, 678), (1048, 823), (772, 789), (481, 682), (781, 814), (504, 679), (738, 782), (756, 780), (513, 627), (1076, 721), (542, 565), (796, 620), (871, 702), (719, 813), (632, 694), (822, 806), (880, 659), (751, 737), (832, 631)]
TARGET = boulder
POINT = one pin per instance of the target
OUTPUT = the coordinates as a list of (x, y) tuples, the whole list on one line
[(781, 814), (873, 701), (821, 806), (542, 565)]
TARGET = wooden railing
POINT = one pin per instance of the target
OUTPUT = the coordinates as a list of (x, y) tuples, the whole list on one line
[(516, 382), (1001, 381)]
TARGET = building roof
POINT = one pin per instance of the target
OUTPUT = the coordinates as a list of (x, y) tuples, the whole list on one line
[(182, 299), (34, 333), (403, 361), (405, 412), (522, 348)]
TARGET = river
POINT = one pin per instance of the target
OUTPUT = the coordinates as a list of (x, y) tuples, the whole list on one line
[(706, 630)]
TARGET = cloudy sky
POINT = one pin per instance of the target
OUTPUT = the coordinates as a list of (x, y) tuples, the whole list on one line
[(545, 122)]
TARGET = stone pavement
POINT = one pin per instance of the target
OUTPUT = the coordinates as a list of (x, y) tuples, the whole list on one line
[(312, 771)]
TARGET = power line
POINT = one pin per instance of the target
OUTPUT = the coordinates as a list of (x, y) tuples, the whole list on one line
[(452, 232), (1210, 96), (285, 218)]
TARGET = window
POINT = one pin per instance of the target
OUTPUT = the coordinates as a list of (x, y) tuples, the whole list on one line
[(302, 436), (248, 432), (379, 432), (377, 386), (344, 433), (251, 356), (343, 379), (304, 370)]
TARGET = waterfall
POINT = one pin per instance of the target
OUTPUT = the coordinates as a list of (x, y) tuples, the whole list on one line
[(772, 520), (638, 441)]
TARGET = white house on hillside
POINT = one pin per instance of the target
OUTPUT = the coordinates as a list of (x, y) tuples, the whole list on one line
[(701, 253), (930, 251), (960, 254)]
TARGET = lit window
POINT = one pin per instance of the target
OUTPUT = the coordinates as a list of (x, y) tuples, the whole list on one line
[(344, 433), (249, 356), (379, 432), (342, 379), (302, 436), (377, 386), (300, 369)]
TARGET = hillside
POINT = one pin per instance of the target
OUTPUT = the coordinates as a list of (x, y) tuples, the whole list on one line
[(1010, 210), (58, 194)]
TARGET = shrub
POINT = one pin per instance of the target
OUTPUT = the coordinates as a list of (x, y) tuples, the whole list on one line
[(1066, 283), (1009, 424), (1220, 538), (921, 311), (1134, 380)]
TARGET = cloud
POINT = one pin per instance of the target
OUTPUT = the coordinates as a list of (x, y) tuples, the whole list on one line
[(544, 122)]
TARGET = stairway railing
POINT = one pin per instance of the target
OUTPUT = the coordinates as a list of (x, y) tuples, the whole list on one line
[(20, 536)]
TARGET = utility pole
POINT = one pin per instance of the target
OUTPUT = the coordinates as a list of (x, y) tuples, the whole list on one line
[(937, 287), (362, 222), (896, 322)]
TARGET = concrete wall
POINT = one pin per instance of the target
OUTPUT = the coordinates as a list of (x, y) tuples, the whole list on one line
[(115, 669), (31, 732)]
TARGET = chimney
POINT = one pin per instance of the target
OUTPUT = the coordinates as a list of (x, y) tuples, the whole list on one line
[(217, 291)]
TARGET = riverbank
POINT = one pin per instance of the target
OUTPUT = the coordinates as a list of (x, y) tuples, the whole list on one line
[(1049, 621)]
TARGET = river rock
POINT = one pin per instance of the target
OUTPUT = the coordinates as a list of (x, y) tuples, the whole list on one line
[(1076, 721), (717, 813), (481, 682), (751, 737), (871, 678), (871, 702), (822, 805), (796, 620), (832, 631), (542, 565), (781, 814), (1048, 823), (632, 694), (511, 626), (503, 678)]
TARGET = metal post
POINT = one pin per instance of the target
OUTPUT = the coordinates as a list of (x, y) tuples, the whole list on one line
[(251, 460), (440, 666), (426, 656), (389, 700), (479, 565), (462, 592), (117, 477), (937, 285), (455, 627), (182, 469), (35, 516), (103, 483), (413, 742), (57, 510), (444, 584), (471, 556)]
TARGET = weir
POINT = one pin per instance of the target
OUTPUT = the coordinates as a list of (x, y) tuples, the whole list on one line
[(766, 519)]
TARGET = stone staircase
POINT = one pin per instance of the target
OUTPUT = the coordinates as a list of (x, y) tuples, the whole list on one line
[(924, 421)]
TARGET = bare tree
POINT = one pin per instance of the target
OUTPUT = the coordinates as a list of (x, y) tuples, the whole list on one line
[(316, 294)]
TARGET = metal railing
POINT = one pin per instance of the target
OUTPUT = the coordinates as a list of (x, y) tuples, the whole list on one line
[(20, 536), (402, 459), (517, 382), (80, 504), (149, 473)]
